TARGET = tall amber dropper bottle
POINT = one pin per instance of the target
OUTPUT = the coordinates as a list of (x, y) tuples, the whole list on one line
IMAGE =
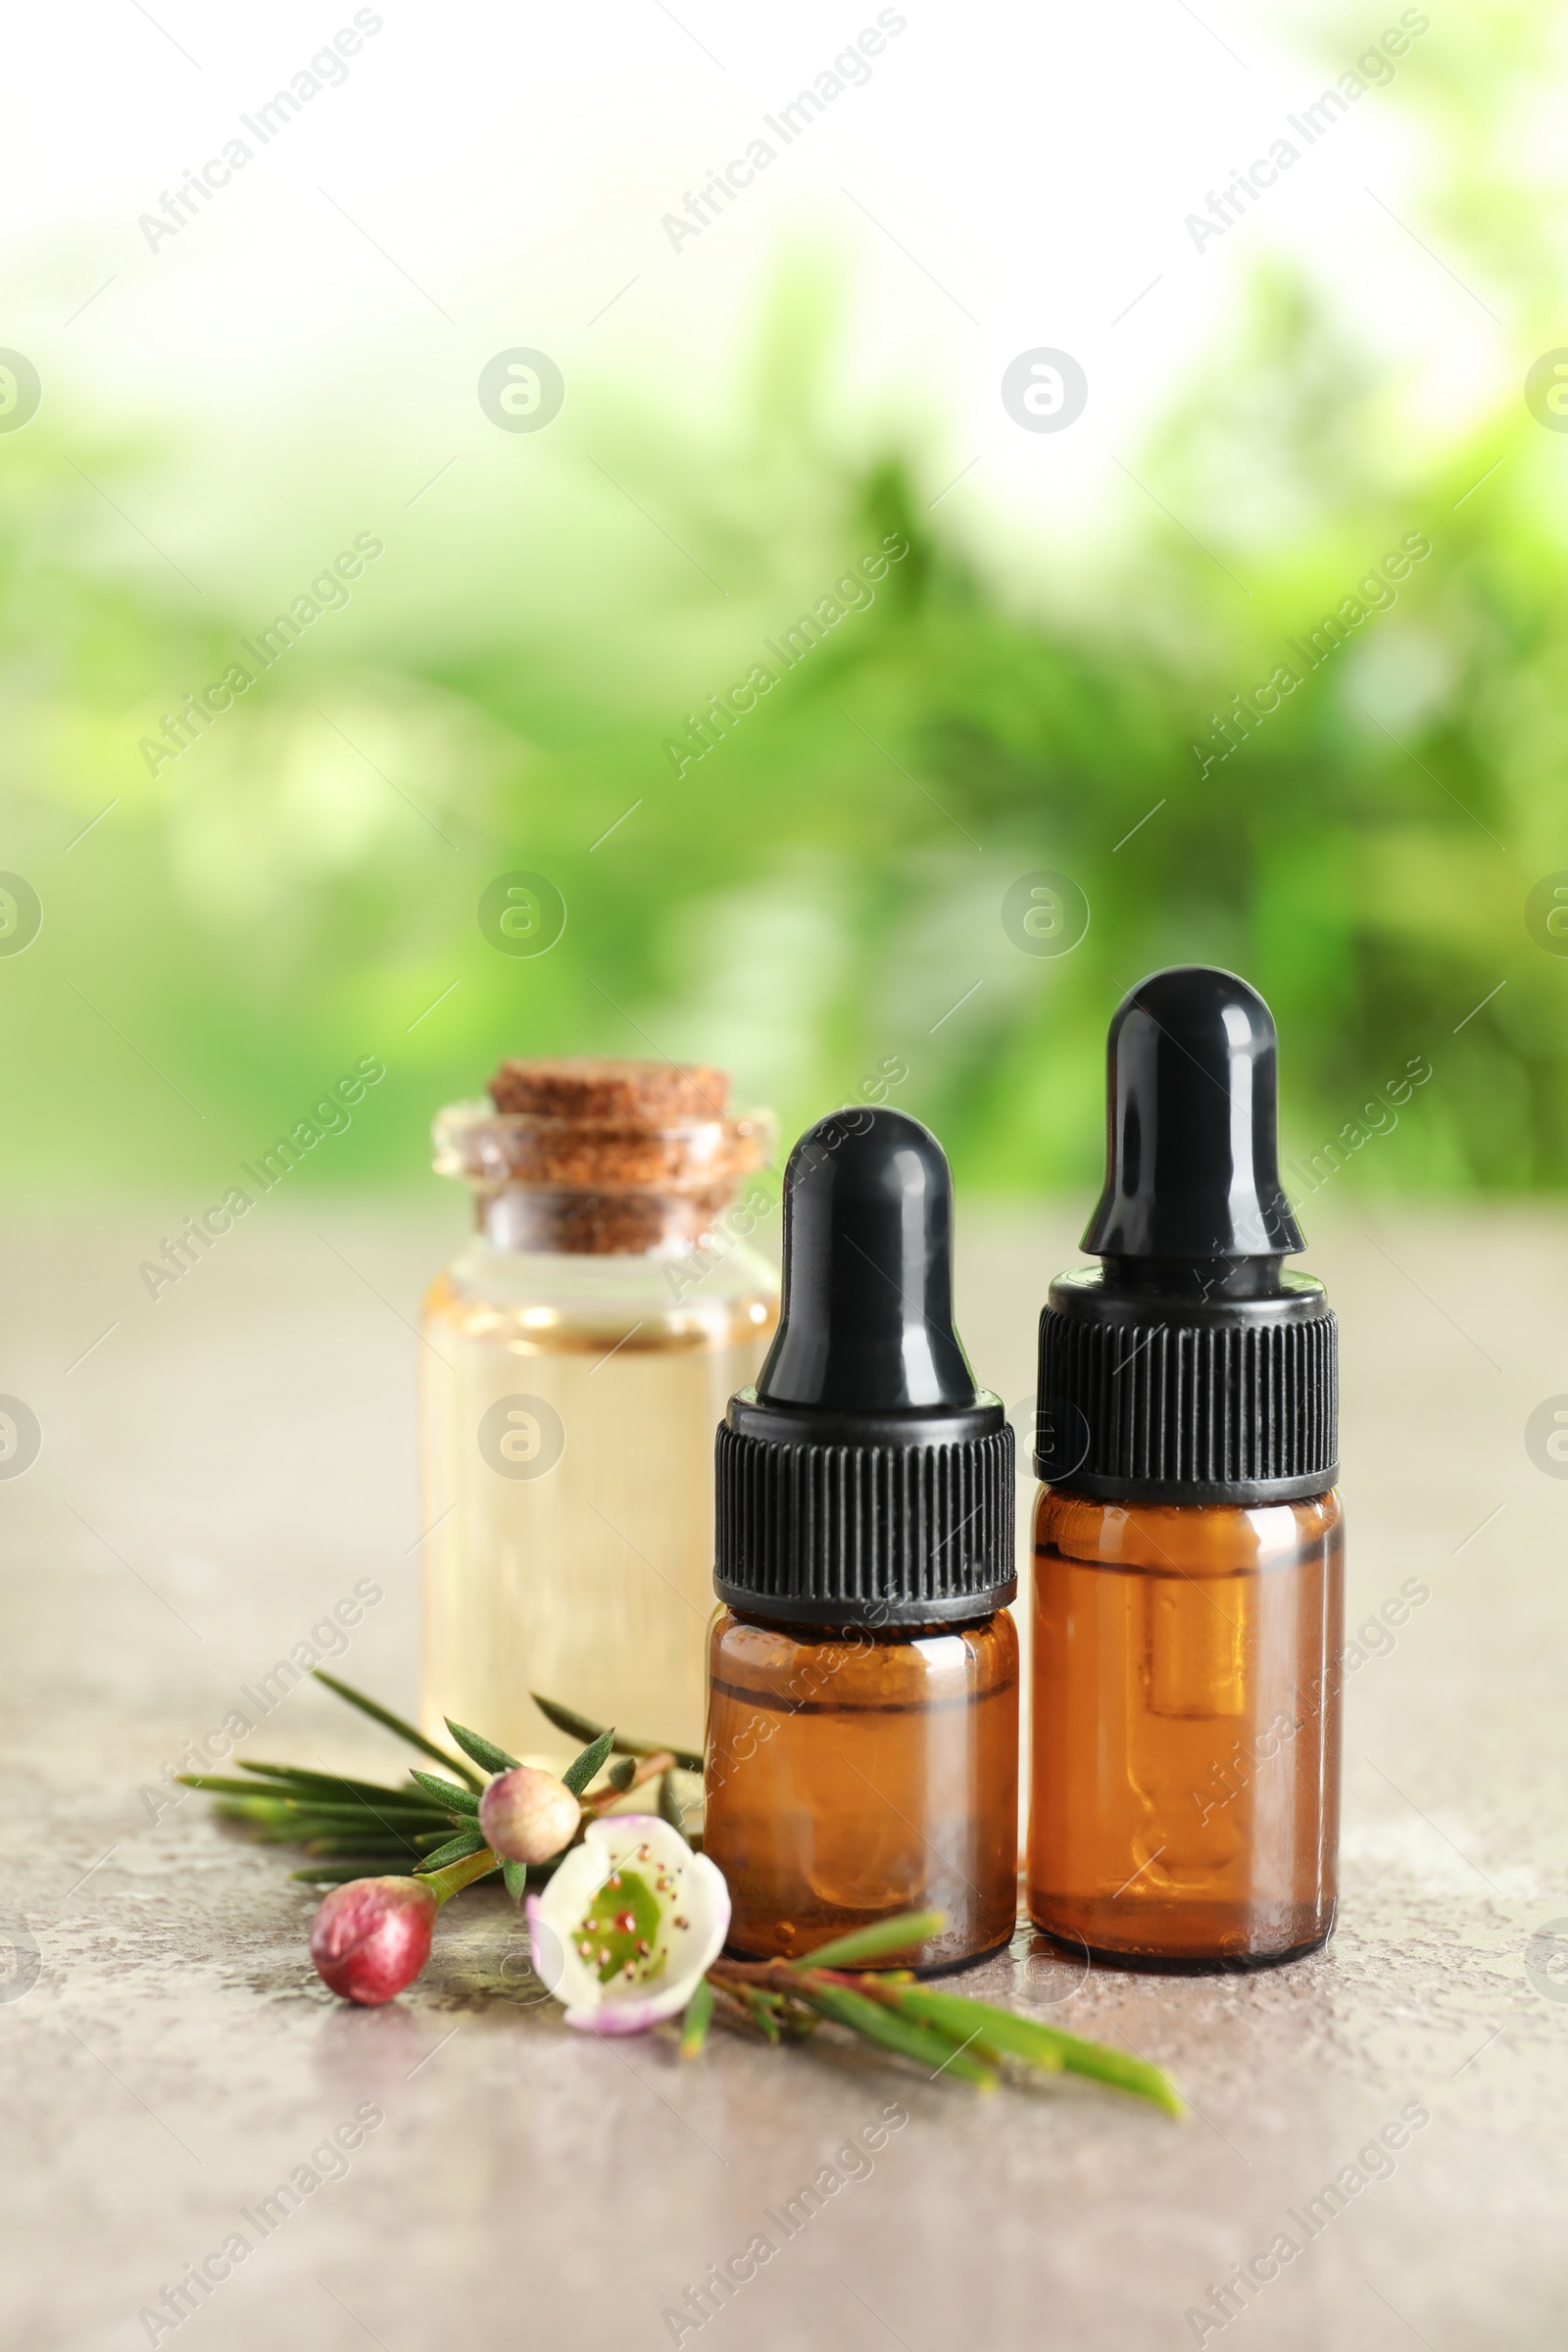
[(1185, 1745), (862, 1724)]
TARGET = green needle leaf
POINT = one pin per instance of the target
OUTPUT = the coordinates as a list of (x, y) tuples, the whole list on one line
[(699, 2016), (762, 2012), (393, 1723), (263, 1832), (484, 1753), (339, 1794), (583, 1727), (445, 1792), (217, 1784), (565, 1719), (386, 1855), (334, 1783), (456, 1849), (254, 1807), (1044, 2046), (623, 1773), (577, 1774), (872, 1943), (932, 2048), (393, 1819), (516, 1874)]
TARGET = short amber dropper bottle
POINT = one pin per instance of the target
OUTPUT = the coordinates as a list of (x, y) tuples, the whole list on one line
[(862, 1724), (1184, 1741)]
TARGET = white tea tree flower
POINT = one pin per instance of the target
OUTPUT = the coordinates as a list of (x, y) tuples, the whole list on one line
[(628, 1926)]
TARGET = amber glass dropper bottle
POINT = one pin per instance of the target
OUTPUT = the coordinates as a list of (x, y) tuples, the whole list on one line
[(1185, 1743), (862, 1724)]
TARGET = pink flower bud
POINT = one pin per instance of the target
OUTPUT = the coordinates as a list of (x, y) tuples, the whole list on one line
[(372, 1937), (527, 1816)]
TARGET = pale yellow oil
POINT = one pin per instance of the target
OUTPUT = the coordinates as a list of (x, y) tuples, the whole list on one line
[(590, 1580)]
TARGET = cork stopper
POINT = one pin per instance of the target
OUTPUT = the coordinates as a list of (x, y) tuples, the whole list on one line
[(584, 1087), (596, 1158)]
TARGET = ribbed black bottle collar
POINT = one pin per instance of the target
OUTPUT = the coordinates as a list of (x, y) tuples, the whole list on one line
[(906, 1521), (1193, 1390)]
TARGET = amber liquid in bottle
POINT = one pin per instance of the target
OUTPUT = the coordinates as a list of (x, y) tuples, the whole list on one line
[(854, 1774), (1185, 1729)]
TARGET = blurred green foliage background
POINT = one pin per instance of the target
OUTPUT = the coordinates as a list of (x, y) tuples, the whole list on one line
[(300, 887)]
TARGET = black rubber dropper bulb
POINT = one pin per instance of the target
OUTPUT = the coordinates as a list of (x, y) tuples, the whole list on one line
[(1192, 1195), (866, 1318), (866, 1479)]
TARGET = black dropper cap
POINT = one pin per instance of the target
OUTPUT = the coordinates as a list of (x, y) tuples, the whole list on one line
[(1191, 1366), (866, 1479)]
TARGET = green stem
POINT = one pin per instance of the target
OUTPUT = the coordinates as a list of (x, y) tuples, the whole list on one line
[(445, 1883)]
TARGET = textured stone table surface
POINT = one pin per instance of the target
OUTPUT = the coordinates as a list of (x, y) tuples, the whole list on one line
[(222, 1467)]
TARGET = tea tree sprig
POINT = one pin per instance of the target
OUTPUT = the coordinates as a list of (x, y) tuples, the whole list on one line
[(959, 2036), (372, 1935)]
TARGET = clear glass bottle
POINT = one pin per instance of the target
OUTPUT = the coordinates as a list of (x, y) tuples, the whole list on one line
[(578, 1356), (861, 1756)]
